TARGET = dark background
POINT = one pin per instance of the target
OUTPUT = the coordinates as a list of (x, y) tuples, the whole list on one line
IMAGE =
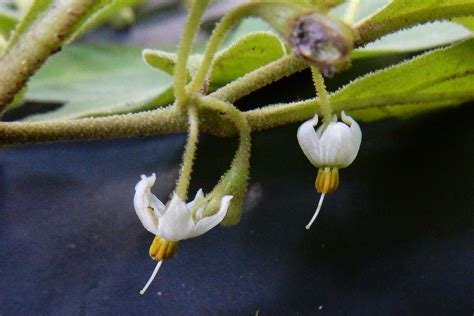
[(395, 239)]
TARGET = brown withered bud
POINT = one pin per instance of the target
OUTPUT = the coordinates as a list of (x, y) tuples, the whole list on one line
[(325, 42)]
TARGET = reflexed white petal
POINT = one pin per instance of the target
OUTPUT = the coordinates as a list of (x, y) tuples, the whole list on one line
[(309, 141), (177, 221), (199, 198), (142, 202), (356, 136), (207, 223)]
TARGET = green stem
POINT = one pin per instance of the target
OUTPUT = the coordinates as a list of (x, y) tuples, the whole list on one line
[(259, 78), (326, 110), (351, 11), (189, 154), (170, 120), (42, 39), (234, 182), (161, 121), (227, 22), (190, 29)]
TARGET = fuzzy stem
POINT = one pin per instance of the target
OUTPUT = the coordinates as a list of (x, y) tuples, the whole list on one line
[(161, 121), (190, 29), (351, 11), (224, 26), (169, 120), (259, 78), (326, 110), (189, 154), (43, 39)]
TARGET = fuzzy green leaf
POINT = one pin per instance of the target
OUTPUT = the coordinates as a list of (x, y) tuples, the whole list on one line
[(96, 81), (438, 79), (399, 14), (245, 55)]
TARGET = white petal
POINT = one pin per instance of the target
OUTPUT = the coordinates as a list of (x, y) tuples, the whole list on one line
[(199, 198), (356, 136), (177, 222), (334, 141), (144, 200), (309, 141), (207, 223)]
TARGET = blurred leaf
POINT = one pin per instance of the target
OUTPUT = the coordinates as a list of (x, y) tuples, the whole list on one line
[(95, 81), (7, 22), (37, 7), (440, 78), (399, 13), (106, 12), (467, 21)]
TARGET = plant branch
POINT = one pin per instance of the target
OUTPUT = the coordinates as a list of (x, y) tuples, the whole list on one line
[(44, 38), (259, 78), (190, 29), (224, 26), (189, 154), (161, 121), (326, 109)]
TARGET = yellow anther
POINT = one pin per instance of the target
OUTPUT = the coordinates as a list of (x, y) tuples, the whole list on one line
[(162, 249), (327, 180)]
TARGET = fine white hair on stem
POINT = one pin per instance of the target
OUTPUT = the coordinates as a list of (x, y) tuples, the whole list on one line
[(321, 199), (153, 275)]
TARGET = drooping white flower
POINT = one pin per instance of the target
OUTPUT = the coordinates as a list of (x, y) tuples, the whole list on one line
[(172, 222), (329, 148), (335, 145)]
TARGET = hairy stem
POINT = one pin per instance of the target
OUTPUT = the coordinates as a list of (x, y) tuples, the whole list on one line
[(259, 78), (190, 29), (43, 39), (161, 121), (326, 110), (189, 153), (224, 26)]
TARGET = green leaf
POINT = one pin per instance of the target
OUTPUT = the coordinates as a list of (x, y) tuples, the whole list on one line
[(399, 14), (421, 37), (467, 22), (7, 22), (106, 11), (417, 38), (96, 81), (440, 78), (245, 55)]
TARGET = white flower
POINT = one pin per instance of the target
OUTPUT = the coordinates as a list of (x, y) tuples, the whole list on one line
[(329, 148), (178, 220), (174, 222), (335, 145)]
